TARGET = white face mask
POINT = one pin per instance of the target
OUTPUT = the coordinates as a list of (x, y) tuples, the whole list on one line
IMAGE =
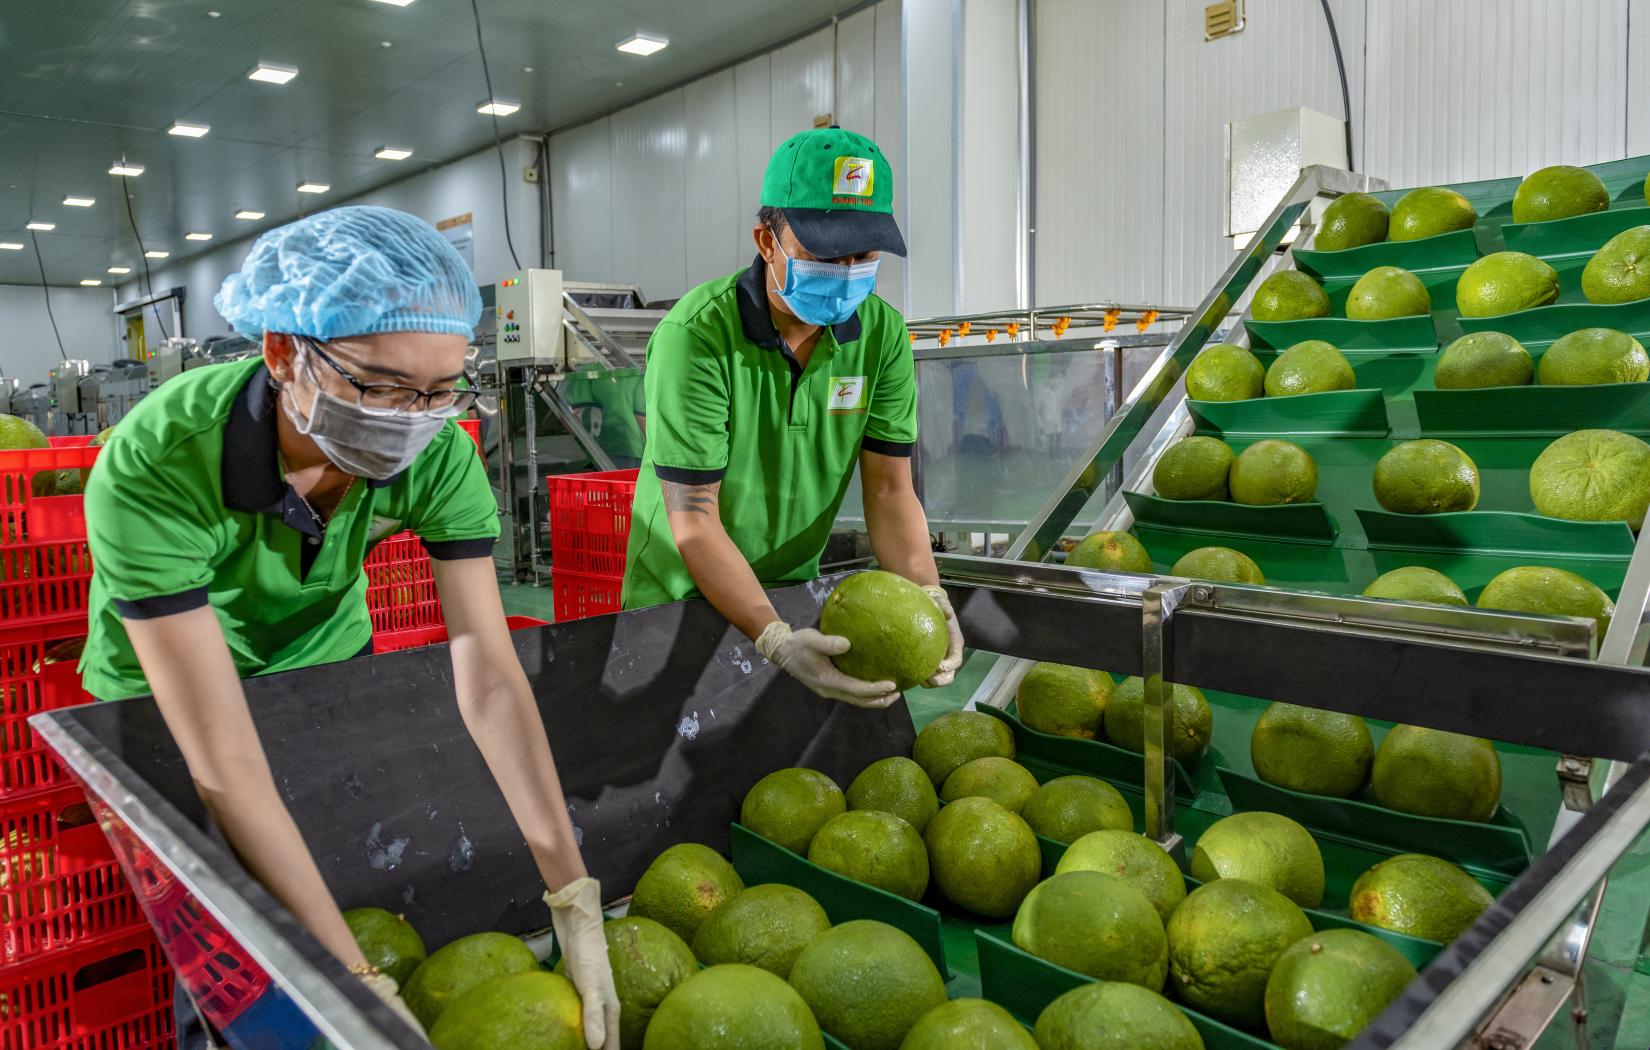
[(360, 442)]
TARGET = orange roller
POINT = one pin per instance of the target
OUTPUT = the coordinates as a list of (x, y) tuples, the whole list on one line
[(945, 336), (1145, 321), (965, 328), (1111, 318), (991, 335), (1013, 329)]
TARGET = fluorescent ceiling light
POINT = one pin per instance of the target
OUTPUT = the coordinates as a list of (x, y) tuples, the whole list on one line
[(120, 269), (91, 282), (313, 187), (246, 213), (123, 168), (10, 246), (189, 131), (197, 236), (498, 107), (273, 74), (392, 153), (43, 227), (644, 45), (78, 202), (156, 254), (396, 3)]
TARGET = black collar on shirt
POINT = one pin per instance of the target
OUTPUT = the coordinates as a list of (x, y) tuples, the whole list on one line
[(758, 322)]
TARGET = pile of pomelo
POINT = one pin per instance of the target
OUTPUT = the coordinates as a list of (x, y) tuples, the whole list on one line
[(1268, 473)]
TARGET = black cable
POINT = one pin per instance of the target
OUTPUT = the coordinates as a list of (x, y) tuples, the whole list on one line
[(46, 291), (148, 279), (498, 142), (1346, 95)]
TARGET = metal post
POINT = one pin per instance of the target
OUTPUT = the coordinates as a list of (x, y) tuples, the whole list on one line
[(1157, 606)]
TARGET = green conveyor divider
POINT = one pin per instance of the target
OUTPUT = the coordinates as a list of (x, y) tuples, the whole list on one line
[(1300, 522), (1361, 412), (1497, 532), (1452, 250), (1548, 411), (1537, 328), (1417, 333), (1579, 234), (1058, 756)]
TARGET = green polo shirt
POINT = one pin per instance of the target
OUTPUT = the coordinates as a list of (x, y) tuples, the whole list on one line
[(728, 401), (187, 507)]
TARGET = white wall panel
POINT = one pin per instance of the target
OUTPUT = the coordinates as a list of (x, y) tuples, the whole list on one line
[(649, 141), (932, 268), (1638, 78), (581, 193), (890, 135), (856, 72), (716, 226), (753, 105), (85, 318), (988, 175), (801, 85)]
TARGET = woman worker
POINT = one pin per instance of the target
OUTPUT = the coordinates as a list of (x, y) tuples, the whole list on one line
[(229, 517)]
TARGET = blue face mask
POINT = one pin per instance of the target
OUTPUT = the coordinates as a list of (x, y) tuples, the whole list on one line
[(823, 293)]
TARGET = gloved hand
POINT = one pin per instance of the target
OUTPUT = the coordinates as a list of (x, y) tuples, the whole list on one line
[(806, 656), (947, 669), (576, 913), (384, 986)]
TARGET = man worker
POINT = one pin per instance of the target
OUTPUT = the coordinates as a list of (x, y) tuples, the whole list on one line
[(765, 389)]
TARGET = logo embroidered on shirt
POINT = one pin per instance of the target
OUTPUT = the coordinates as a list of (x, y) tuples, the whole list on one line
[(847, 393), (853, 175)]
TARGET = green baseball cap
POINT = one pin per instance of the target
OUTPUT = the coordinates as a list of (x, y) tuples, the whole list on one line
[(837, 192)]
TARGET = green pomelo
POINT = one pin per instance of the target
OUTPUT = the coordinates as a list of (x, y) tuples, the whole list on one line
[(1094, 924), (454, 969), (1220, 564), (682, 886), (983, 857), (1067, 808), (1619, 272), (1193, 468), (648, 961), (1593, 356), (896, 632), (1387, 291), (18, 433), (867, 983), (898, 786), (68, 482), (1223, 941), (1416, 583), (1647, 189), (1327, 987), (1426, 477), (1548, 592), (1482, 359), (1318, 752), (1437, 774), (1063, 700), (533, 1010), (1428, 212), (1289, 295), (1593, 475), (1418, 895), (957, 737), (1558, 192), (100, 440), (1505, 283), (1188, 738), (766, 926), (1229, 373), (1351, 220), (1112, 551), (1114, 1016), (388, 941), (1135, 859), (967, 1024), (1272, 472), (1309, 367), (789, 806), (733, 1007), (1267, 848), (1001, 779), (878, 849)]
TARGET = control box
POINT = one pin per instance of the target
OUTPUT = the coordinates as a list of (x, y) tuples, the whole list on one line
[(528, 313)]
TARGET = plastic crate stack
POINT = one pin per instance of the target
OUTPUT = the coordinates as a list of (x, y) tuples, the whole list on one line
[(79, 966), (589, 530)]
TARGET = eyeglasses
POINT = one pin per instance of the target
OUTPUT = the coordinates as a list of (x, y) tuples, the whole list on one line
[(385, 399)]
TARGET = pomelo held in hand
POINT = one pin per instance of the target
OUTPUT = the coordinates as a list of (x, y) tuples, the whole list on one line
[(896, 632)]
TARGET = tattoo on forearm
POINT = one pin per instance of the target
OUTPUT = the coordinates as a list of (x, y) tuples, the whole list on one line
[(690, 499)]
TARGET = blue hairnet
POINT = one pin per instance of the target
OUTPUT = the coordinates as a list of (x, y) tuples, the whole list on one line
[(351, 271)]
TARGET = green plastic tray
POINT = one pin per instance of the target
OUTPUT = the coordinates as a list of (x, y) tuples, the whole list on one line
[(1497, 532), (1049, 756), (1340, 412), (1396, 333), (1535, 410), (1583, 234), (1539, 327), (1300, 522), (1455, 249), (1500, 845)]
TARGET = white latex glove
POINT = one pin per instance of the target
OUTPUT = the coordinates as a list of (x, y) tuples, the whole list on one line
[(947, 669), (806, 656), (384, 986), (576, 913)]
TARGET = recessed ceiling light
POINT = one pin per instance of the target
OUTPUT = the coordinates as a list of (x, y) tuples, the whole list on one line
[(188, 131), (498, 107), (313, 187), (10, 246), (644, 45), (129, 170), (396, 3), (214, 14), (247, 213), (120, 269), (157, 254), (78, 202), (272, 74), (91, 282), (392, 153), (43, 227), (197, 236)]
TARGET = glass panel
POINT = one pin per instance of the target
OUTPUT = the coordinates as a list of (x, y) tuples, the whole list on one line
[(611, 406)]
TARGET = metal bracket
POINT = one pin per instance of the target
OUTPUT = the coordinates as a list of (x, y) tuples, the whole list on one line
[(1157, 607), (1526, 1011), (1575, 776)]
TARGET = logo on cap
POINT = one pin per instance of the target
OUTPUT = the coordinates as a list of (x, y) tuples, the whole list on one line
[(853, 176)]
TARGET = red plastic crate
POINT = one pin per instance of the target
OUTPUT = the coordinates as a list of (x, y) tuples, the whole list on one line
[(221, 978), (590, 521), (581, 594), (418, 637), (26, 517), (26, 766), (114, 993), (60, 885)]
